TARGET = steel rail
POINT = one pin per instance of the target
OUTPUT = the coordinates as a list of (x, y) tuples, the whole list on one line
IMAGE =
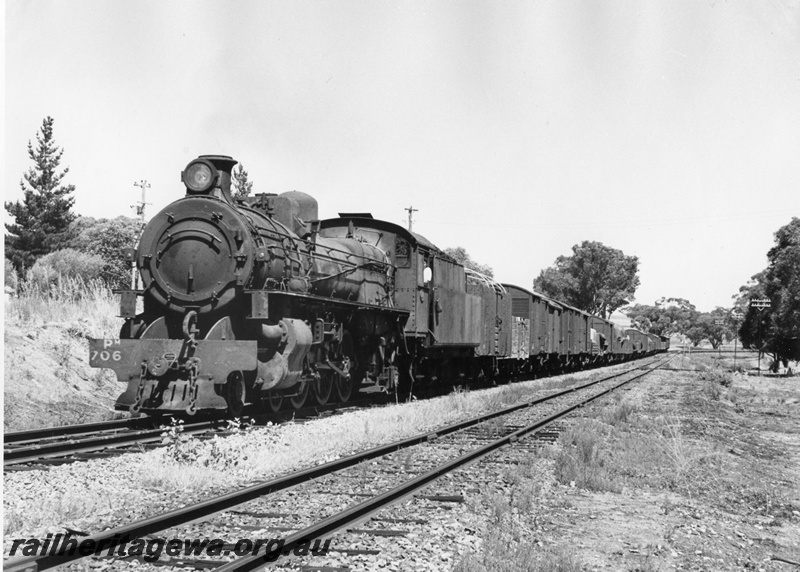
[(678, 349), (372, 505), (27, 446), (112, 538), (82, 429), (31, 453), (13, 442)]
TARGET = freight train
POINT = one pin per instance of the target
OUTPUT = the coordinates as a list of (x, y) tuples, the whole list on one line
[(257, 301)]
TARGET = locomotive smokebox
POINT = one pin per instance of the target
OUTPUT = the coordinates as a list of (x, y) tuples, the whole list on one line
[(196, 252)]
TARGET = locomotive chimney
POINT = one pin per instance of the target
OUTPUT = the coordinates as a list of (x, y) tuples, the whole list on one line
[(209, 175), (224, 166)]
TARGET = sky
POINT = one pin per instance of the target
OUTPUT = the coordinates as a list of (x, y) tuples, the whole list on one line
[(668, 129)]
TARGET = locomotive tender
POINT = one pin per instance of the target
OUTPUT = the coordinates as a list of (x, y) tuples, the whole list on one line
[(258, 301)]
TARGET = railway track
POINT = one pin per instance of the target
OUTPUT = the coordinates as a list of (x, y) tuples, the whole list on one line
[(102, 442), (395, 471), (43, 434), (24, 450), (740, 351), (71, 443)]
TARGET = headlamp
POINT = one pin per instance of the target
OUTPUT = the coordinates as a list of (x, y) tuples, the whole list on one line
[(200, 176)]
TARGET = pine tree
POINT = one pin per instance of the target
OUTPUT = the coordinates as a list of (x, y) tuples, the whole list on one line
[(241, 183), (43, 216)]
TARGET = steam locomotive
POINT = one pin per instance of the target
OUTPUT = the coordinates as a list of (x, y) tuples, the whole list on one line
[(257, 301)]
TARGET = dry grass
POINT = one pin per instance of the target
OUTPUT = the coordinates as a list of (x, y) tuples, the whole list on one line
[(628, 445), (689, 441), (622, 446), (340, 435), (507, 542), (276, 450), (89, 307), (581, 458), (62, 506), (161, 474), (498, 555)]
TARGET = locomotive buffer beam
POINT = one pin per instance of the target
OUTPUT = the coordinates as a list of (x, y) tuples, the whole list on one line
[(172, 374)]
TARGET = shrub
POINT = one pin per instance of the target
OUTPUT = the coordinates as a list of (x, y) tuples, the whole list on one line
[(106, 238), (677, 447), (619, 414), (582, 460), (498, 554), (718, 376), (56, 268), (713, 381), (10, 277), (711, 390), (184, 449)]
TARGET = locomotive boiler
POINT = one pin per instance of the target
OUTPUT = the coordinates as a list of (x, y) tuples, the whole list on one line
[(244, 301)]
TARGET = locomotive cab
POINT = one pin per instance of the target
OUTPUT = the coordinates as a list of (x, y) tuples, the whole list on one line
[(445, 319)]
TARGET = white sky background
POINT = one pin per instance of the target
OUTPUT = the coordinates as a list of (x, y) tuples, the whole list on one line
[(667, 129)]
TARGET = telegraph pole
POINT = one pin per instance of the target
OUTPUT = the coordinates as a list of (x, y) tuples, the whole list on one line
[(411, 210), (140, 206), (760, 304), (719, 323), (144, 185), (736, 315)]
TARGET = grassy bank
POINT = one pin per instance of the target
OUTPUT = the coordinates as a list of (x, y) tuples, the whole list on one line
[(47, 377)]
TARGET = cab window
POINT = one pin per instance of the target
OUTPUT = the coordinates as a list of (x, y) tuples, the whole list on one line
[(402, 253)]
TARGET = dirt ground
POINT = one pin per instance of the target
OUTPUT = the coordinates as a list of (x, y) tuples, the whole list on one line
[(48, 381), (682, 473)]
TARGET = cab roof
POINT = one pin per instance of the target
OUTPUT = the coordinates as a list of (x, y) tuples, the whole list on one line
[(366, 220)]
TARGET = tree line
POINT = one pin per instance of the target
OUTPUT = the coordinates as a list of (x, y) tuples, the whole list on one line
[(771, 325), (670, 316), (600, 280)]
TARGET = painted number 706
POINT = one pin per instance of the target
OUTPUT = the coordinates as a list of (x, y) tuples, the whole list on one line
[(106, 355)]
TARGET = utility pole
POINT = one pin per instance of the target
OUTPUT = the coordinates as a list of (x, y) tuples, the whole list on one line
[(760, 304), (411, 210), (736, 316), (144, 185), (140, 206), (719, 323)]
